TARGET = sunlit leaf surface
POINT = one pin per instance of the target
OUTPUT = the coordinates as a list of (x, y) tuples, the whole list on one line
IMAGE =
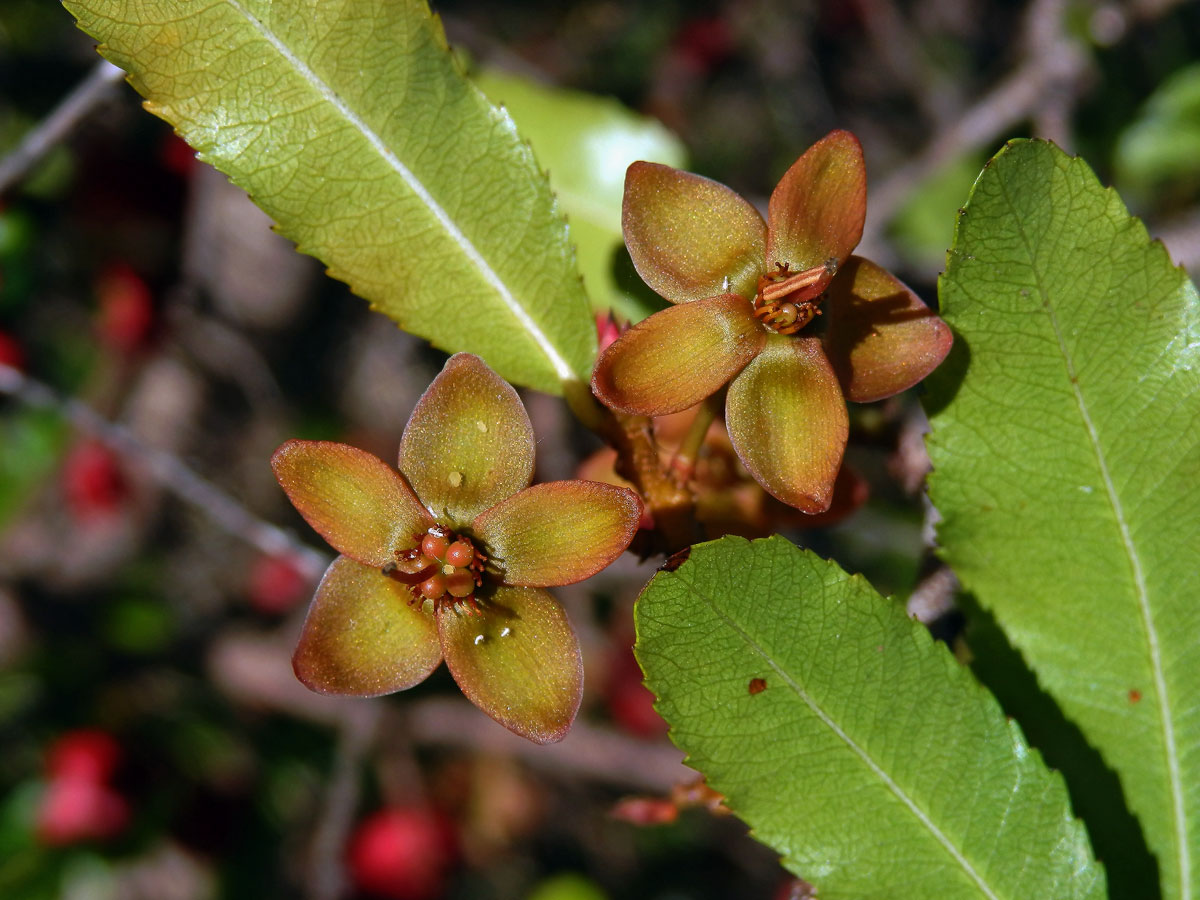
[(351, 125), (846, 738), (1066, 455)]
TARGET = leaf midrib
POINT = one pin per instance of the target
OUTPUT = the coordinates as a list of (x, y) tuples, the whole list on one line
[(850, 743), (1179, 815), (560, 365)]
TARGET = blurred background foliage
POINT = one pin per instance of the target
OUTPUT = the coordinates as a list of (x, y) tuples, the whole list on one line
[(156, 743)]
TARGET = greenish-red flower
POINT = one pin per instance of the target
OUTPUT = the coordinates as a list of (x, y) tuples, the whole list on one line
[(778, 309), (448, 557)]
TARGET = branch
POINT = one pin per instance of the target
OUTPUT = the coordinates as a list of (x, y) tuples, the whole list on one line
[(53, 129), (1053, 63), (226, 512), (254, 670)]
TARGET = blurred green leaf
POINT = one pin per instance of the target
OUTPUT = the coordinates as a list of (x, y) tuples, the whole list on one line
[(924, 226), (31, 442), (568, 886), (1163, 143), (1066, 455), (587, 142), (846, 738), (351, 125)]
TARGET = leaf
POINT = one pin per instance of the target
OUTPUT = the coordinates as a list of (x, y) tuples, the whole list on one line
[(846, 738), (1066, 460), (587, 143), (350, 124), (1162, 146)]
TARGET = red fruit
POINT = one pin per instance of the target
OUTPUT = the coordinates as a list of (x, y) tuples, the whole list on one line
[(177, 156), (11, 353), (276, 585), (92, 481), (402, 854), (629, 701), (77, 809), (85, 754), (126, 313)]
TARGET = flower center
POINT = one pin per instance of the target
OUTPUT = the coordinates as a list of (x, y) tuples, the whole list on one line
[(787, 301), (444, 568)]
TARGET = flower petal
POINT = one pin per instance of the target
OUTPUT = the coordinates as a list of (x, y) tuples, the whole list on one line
[(352, 498), (468, 443), (690, 237), (678, 356), (519, 662), (361, 636), (787, 421), (817, 210), (558, 533), (881, 338)]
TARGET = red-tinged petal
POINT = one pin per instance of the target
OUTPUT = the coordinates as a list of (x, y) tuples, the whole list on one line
[(787, 421), (678, 356), (881, 338), (519, 662), (690, 237), (468, 444), (558, 533), (362, 637), (818, 208), (353, 499)]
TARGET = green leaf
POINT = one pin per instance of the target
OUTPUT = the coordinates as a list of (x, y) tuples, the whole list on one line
[(1163, 144), (587, 143), (1066, 464), (351, 125), (848, 740)]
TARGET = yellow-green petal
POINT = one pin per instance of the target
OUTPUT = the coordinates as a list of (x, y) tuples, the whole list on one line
[(468, 444), (882, 339), (690, 237), (817, 210), (558, 533), (519, 662), (678, 356), (362, 638), (787, 421), (352, 498)]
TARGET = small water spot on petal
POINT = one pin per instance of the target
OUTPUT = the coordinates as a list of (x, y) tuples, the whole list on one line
[(482, 426), (455, 479), (479, 639)]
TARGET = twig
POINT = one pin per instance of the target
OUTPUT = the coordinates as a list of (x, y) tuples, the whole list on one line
[(1052, 62), (226, 512), (359, 726), (53, 129), (254, 670)]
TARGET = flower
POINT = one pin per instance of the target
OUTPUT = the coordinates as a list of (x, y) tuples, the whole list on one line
[(448, 557), (749, 297)]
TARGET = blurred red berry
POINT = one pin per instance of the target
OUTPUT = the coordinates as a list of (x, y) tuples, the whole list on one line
[(177, 156), (77, 809), (126, 313), (85, 754), (630, 703), (11, 353), (92, 481), (402, 854), (276, 584)]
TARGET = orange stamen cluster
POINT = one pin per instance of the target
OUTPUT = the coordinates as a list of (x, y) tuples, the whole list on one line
[(786, 302), (444, 568)]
